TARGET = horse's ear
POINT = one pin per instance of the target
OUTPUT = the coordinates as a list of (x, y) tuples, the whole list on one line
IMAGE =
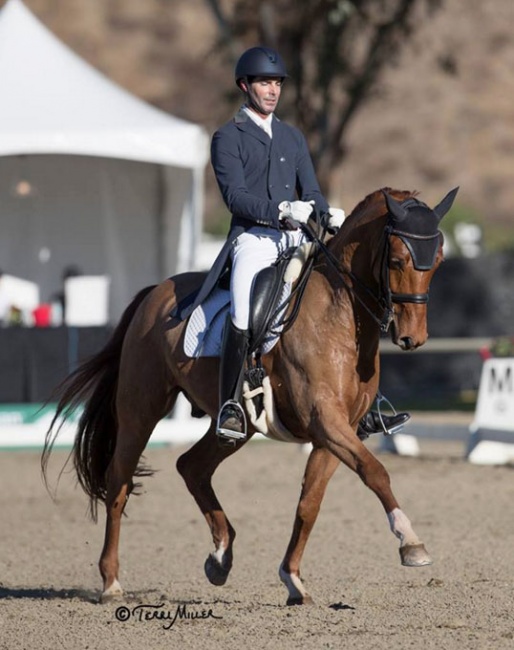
[(394, 207), (442, 208)]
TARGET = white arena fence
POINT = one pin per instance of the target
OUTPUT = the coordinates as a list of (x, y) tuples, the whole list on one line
[(488, 437)]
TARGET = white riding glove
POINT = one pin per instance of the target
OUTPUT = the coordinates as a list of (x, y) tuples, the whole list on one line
[(298, 210), (337, 216)]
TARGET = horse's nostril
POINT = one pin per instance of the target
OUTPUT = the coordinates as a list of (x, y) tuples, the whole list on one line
[(408, 343)]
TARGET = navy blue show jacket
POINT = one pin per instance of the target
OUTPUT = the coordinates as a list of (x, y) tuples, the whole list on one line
[(255, 173)]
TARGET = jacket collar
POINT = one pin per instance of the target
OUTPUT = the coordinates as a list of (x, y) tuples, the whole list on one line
[(244, 123)]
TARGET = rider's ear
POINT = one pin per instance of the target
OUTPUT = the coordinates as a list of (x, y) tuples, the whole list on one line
[(394, 207), (442, 208)]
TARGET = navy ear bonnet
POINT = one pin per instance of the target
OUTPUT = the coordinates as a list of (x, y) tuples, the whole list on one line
[(417, 226)]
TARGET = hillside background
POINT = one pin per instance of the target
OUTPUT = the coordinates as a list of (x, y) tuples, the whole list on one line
[(443, 115)]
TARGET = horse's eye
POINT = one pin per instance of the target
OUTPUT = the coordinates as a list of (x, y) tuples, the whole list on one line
[(396, 263)]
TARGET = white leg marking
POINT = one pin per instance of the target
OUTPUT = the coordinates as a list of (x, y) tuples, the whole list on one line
[(219, 554), (402, 528), (293, 583), (114, 590)]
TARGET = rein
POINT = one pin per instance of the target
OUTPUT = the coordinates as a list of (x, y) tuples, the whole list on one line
[(386, 297), (342, 271), (299, 289)]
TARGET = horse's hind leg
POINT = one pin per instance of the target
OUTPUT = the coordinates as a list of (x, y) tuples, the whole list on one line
[(196, 467), (119, 480), (119, 484), (134, 430), (320, 468)]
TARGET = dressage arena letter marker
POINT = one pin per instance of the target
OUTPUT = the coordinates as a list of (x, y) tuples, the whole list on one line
[(492, 430)]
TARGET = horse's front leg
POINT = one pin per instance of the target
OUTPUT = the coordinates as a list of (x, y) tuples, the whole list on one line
[(355, 455), (320, 468), (196, 467)]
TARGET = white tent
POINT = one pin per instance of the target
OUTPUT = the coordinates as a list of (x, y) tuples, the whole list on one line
[(90, 175)]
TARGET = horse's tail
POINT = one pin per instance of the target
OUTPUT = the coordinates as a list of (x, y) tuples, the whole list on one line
[(93, 386)]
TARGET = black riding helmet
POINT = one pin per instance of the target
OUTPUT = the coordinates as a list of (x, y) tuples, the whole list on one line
[(260, 62)]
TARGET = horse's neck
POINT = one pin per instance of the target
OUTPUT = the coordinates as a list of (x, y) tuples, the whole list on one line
[(358, 247)]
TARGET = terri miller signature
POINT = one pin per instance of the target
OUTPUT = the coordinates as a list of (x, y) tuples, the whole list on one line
[(143, 613)]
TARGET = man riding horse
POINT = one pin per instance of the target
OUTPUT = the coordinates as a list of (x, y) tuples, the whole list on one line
[(267, 180)]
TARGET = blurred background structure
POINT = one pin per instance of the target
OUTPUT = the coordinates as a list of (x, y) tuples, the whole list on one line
[(90, 174), (412, 94)]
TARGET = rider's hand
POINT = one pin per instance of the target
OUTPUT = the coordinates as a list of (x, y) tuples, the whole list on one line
[(336, 219), (298, 210)]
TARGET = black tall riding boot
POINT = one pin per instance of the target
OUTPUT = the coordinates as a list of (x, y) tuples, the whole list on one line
[(374, 422), (231, 419)]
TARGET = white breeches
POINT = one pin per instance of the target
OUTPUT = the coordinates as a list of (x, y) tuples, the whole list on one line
[(254, 250)]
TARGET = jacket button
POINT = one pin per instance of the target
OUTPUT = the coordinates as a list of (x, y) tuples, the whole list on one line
[(287, 186), (282, 159)]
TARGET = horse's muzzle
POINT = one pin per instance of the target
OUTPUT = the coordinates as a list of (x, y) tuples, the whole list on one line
[(405, 341)]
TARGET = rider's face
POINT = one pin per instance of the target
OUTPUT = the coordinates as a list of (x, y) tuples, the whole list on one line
[(263, 94)]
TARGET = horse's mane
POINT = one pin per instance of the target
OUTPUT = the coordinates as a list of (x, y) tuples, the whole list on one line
[(376, 197)]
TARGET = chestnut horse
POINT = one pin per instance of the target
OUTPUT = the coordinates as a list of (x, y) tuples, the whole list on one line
[(324, 372)]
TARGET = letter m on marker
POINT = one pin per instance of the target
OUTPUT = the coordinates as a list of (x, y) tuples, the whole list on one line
[(501, 380)]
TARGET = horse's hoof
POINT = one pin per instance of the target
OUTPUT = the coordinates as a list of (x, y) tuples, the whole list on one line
[(114, 593), (107, 598), (304, 600), (415, 555), (215, 572), (293, 583)]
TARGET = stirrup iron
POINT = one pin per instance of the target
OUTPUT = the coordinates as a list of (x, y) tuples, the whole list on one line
[(396, 429), (229, 434)]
